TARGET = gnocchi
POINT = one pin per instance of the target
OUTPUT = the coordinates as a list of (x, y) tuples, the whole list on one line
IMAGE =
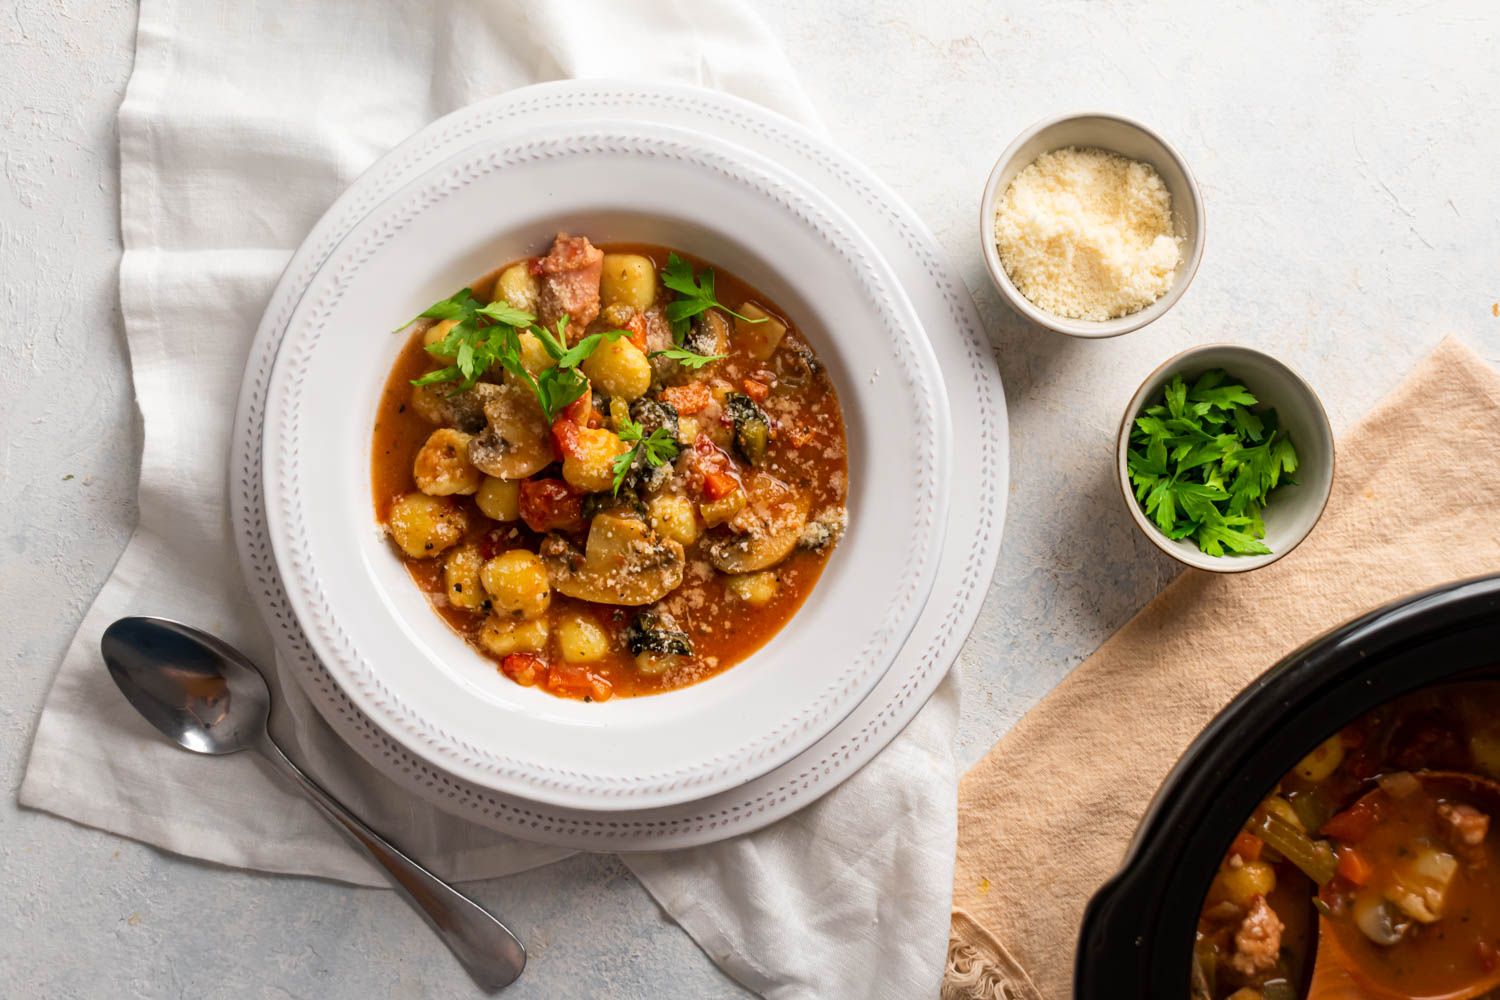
[(442, 467), (619, 369), (423, 526), (518, 286), (501, 635), (673, 516), (590, 466), (580, 639), (436, 334), (461, 578), (517, 583), (628, 279), (499, 499), (755, 589)]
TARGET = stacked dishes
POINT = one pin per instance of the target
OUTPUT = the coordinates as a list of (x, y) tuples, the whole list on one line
[(730, 184)]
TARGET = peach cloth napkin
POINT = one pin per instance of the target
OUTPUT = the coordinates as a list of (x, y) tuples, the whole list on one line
[(1045, 817)]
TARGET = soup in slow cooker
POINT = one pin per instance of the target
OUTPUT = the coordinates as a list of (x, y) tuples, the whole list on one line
[(1386, 835)]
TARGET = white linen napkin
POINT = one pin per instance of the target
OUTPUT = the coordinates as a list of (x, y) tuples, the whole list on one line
[(241, 124)]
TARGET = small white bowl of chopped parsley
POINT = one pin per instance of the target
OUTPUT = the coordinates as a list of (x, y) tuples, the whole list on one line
[(1225, 458)]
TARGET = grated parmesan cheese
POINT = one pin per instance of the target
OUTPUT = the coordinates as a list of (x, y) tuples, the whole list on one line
[(1087, 234)]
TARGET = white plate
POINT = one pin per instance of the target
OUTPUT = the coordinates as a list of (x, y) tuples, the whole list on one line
[(503, 198), (977, 510)]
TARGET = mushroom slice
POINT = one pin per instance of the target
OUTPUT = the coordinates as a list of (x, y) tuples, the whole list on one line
[(516, 441), (623, 562), (766, 531), (464, 410), (708, 334)]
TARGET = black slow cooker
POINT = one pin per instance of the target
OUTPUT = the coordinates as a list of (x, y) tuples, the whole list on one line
[(1137, 933)]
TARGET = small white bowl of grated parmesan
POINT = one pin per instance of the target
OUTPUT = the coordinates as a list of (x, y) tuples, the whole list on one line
[(1092, 225)]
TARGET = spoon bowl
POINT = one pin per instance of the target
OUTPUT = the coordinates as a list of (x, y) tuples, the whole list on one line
[(199, 691), (1337, 974), (205, 696)]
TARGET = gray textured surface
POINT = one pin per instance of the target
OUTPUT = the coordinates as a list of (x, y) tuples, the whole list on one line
[(1345, 151)]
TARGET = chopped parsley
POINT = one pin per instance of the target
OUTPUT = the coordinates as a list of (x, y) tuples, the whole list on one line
[(1204, 464)]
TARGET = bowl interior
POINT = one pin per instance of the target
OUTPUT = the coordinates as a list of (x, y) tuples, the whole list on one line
[(371, 626), (1129, 139), (1294, 507)]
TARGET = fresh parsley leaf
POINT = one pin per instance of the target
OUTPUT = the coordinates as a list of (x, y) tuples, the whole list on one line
[(556, 344), (1176, 393), (655, 449), (1223, 397), (1248, 424), (503, 312), (1203, 465), (460, 305), (449, 374), (557, 387), (695, 295), (687, 358)]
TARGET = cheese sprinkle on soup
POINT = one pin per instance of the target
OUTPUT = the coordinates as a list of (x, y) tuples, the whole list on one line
[(1087, 234)]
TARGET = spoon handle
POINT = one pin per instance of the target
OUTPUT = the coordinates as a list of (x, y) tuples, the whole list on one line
[(493, 956)]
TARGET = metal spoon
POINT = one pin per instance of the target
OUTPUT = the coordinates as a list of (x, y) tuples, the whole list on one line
[(206, 697)]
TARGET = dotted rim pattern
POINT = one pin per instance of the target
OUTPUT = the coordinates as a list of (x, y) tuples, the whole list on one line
[(797, 783)]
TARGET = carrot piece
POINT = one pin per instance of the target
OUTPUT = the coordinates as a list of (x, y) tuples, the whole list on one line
[(717, 485), (574, 681), (757, 391), (686, 399), (1353, 867)]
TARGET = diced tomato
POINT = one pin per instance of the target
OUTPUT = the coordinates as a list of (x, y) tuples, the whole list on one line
[(756, 390), (581, 410), (686, 399), (576, 681), (1488, 955), (1353, 867), (524, 668), (1353, 824), (550, 505), (1246, 846), (565, 437)]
